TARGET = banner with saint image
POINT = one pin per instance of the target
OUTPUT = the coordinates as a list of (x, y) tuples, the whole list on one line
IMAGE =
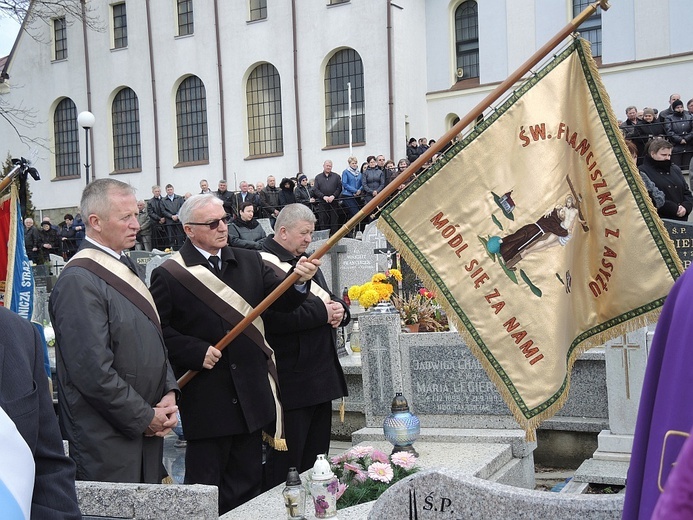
[(537, 235)]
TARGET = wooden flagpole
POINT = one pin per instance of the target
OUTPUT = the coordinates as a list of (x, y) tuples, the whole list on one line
[(413, 167)]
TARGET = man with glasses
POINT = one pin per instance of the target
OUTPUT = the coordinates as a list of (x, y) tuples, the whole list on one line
[(201, 293), (115, 386)]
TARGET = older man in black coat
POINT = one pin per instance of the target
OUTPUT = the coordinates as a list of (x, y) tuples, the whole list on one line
[(226, 406), (310, 375), (327, 188)]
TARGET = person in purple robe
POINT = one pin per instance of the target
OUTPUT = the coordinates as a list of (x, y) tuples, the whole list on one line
[(676, 502), (665, 415)]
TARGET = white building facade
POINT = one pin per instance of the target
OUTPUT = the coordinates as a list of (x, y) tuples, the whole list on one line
[(184, 90)]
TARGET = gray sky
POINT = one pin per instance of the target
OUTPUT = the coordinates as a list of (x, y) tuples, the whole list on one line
[(8, 33)]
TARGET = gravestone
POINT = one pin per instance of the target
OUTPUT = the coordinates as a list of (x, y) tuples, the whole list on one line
[(321, 235), (380, 247), (447, 387), (447, 494), (152, 264), (682, 235), (141, 259), (355, 263), (626, 360), (266, 226)]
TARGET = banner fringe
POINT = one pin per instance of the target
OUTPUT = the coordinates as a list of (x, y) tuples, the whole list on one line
[(634, 170)]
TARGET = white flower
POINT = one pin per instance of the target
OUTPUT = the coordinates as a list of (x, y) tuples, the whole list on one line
[(381, 472)]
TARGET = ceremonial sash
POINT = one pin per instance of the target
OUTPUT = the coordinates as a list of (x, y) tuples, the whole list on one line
[(233, 308), (120, 277), (16, 471), (284, 267)]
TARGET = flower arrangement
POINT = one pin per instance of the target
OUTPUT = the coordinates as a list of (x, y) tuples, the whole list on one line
[(380, 288), (365, 473), (423, 309)]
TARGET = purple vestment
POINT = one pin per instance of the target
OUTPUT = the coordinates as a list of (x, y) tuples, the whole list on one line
[(665, 416), (676, 503)]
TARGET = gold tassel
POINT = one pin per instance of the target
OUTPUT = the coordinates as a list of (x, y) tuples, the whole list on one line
[(167, 480), (342, 409), (277, 444)]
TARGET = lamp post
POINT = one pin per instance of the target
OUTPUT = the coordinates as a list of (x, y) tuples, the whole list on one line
[(86, 120)]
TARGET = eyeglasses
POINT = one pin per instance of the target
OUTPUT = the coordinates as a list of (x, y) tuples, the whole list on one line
[(213, 224)]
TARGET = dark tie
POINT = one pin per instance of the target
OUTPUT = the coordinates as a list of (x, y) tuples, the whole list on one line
[(124, 259), (214, 262)]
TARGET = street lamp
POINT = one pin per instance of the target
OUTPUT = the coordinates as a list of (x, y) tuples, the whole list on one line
[(86, 120)]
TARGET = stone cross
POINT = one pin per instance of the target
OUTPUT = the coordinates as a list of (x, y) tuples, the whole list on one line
[(626, 350)]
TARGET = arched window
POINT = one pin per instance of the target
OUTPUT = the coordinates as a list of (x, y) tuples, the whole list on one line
[(467, 40), (264, 102), (344, 68), (591, 29), (127, 154), (191, 121), (66, 138)]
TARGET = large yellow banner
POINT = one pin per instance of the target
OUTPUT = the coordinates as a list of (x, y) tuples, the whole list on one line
[(538, 235)]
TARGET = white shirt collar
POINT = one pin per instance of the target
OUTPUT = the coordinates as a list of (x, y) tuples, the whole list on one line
[(207, 254), (103, 247)]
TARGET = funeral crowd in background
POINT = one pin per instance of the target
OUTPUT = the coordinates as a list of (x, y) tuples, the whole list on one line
[(661, 142)]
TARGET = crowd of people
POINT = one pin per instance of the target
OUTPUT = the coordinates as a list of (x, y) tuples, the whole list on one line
[(662, 145), (674, 124), (62, 240), (332, 197)]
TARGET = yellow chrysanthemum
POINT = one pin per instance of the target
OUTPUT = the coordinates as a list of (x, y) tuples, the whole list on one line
[(354, 292), (384, 290), (378, 277), (369, 298), (396, 274), (368, 286)]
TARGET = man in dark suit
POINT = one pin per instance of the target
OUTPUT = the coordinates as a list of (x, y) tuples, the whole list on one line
[(243, 196), (26, 401), (227, 198), (201, 293), (170, 206), (305, 342), (157, 220), (116, 390)]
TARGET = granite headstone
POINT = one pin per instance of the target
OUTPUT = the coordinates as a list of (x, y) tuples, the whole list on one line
[(447, 494), (447, 387), (152, 264), (355, 263), (682, 235)]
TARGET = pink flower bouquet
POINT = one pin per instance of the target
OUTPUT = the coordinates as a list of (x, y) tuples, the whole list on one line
[(365, 473)]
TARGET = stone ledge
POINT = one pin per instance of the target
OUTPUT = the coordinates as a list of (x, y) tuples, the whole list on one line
[(146, 501), (594, 471), (515, 438)]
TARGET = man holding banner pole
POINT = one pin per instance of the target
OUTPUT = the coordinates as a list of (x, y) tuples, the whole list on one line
[(201, 292)]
